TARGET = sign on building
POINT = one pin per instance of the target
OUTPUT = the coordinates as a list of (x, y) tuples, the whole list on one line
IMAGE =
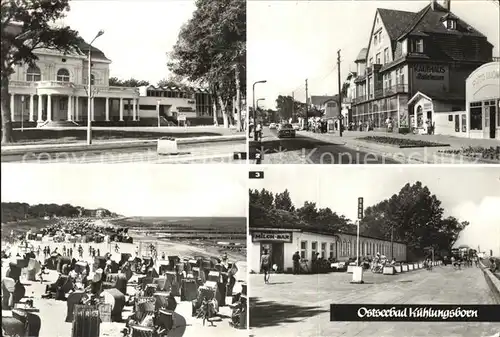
[(276, 237)]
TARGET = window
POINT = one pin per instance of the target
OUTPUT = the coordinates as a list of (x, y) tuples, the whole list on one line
[(386, 55), (323, 250), (380, 37), (344, 248), (33, 74), (332, 250), (450, 118), (147, 107), (63, 75), (378, 58), (451, 24), (314, 247), (417, 46), (375, 39), (371, 62), (303, 249), (92, 79), (476, 116)]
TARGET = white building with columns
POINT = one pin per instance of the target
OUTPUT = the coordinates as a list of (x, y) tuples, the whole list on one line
[(55, 90)]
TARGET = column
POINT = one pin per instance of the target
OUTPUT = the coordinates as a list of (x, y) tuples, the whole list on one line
[(121, 109), (12, 106), (32, 108), (107, 109), (70, 108), (76, 108), (49, 108), (40, 108), (92, 109), (134, 109)]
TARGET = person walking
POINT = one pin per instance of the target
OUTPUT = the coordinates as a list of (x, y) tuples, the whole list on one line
[(264, 265), (296, 263)]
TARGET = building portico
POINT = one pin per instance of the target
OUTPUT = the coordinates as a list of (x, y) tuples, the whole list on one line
[(62, 101)]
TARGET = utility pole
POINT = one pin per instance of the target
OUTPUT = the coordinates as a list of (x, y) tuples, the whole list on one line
[(293, 106), (340, 94), (306, 121)]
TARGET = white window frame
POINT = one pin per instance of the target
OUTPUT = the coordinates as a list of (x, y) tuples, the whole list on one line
[(63, 78), (386, 55), (33, 76), (324, 250), (303, 251), (332, 250), (314, 250)]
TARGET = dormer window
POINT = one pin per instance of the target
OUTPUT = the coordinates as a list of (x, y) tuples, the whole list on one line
[(450, 24), (417, 46)]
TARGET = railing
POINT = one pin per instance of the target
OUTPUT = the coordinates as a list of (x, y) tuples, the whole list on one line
[(71, 85), (395, 89)]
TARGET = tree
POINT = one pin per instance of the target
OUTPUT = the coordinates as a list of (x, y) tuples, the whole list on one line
[(173, 81), (283, 201), (26, 27), (286, 105), (416, 217), (211, 50), (264, 198), (131, 83)]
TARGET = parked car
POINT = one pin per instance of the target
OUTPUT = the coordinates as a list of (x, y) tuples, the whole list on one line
[(272, 126), (286, 130), (296, 126)]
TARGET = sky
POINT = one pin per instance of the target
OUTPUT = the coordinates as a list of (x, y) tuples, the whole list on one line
[(468, 193), (289, 41), (137, 34), (132, 190)]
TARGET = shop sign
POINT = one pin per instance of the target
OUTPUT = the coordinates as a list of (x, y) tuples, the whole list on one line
[(276, 237), (429, 72), (486, 76)]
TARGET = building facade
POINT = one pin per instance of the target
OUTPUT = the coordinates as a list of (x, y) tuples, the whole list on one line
[(431, 52), (281, 244), (174, 102), (55, 89)]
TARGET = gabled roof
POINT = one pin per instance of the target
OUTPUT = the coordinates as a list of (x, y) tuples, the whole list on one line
[(431, 21), (320, 100), (395, 21)]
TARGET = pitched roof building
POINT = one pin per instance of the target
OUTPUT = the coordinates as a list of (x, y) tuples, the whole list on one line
[(431, 51)]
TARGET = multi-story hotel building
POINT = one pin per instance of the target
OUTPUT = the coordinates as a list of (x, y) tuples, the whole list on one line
[(431, 52)]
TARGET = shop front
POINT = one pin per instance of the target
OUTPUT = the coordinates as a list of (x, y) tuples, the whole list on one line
[(483, 102), (273, 242)]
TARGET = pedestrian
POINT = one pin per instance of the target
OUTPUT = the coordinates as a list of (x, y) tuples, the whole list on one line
[(493, 265), (258, 130), (264, 265), (296, 263)]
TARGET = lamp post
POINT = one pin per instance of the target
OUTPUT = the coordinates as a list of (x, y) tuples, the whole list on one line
[(255, 112), (89, 91), (158, 110), (392, 242)]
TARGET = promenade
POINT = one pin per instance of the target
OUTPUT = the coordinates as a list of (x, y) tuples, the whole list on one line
[(298, 305)]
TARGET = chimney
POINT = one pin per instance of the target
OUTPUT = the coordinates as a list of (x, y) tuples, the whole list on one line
[(447, 5)]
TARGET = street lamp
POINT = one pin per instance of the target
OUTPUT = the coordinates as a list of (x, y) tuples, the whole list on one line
[(89, 91), (158, 110), (254, 112)]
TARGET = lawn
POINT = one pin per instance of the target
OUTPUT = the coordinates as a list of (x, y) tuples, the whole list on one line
[(66, 136), (491, 153), (400, 142)]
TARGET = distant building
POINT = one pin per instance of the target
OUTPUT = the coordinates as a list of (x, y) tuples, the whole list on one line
[(430, 52)]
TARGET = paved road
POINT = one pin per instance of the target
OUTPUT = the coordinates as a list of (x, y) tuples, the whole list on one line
[(208, 153), (307, 150), (299, 305)]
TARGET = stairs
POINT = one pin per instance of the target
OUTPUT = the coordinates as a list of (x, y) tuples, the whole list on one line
[(58, 124)]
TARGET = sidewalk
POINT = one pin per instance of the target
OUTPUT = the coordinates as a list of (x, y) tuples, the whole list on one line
[(294, 305), (427, 155)]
